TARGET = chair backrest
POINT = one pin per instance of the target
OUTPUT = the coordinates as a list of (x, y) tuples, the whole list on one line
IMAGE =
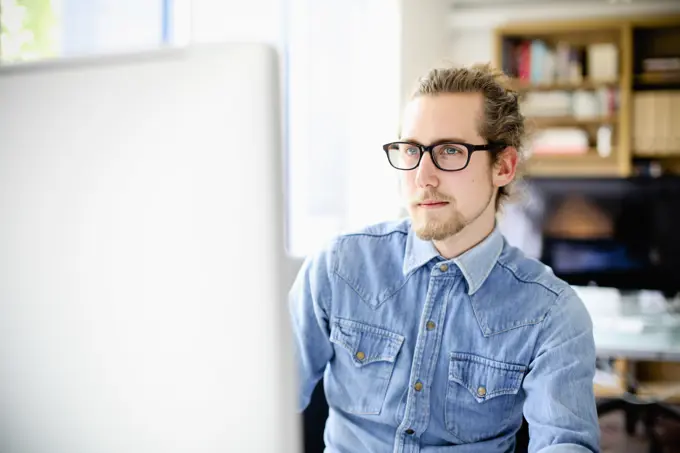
[(522, 438)]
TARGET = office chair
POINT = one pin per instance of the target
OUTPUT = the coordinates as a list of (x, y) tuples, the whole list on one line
[(648, 413)]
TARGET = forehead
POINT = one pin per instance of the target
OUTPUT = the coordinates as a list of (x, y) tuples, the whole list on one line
[(450, 115)]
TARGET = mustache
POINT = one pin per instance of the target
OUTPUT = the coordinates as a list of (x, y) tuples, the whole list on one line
[(430, 195)]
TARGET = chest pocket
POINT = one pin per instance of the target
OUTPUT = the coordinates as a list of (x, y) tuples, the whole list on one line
[(481, 396), (362, 368)]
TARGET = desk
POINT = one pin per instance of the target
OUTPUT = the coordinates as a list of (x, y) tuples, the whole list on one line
[(647, 369), (647, 352), (642, 333), (648, 363), (644, 346), (643, 336), (636, 327)]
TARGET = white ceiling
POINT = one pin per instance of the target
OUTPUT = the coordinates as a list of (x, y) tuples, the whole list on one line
[(465, 4), (486, 14)]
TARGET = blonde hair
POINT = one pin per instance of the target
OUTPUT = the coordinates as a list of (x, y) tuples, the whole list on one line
[(502, 122)]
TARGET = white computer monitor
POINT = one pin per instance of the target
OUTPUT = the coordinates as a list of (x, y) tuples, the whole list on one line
[(141, 245)]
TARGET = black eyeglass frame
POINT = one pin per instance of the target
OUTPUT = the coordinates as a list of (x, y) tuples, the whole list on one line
[(424, 149)]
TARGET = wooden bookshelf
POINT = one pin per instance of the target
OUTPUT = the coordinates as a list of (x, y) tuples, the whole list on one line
[(635, 39), (640, 42)]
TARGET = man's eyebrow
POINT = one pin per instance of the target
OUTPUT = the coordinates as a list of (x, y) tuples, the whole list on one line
[(441, 140)]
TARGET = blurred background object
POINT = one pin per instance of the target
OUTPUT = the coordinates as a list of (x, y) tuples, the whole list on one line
[(131, 266)]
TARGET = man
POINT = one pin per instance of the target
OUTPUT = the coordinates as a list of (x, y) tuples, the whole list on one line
[(433, 334)]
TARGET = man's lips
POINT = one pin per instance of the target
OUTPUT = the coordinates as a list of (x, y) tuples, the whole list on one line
[(432, 204)]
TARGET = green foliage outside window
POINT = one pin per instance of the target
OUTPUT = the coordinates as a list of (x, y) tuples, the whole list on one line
[(29, 30)]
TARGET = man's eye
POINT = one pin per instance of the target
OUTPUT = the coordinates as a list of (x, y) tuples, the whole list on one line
[(412, 151), (449, 150)]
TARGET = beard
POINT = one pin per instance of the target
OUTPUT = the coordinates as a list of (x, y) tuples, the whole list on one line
[(442, 223)]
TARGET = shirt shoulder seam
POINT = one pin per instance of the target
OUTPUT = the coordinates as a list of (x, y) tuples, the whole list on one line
[(529, 282), (543, 323)]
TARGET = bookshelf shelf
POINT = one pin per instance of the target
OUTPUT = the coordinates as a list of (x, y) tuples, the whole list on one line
[(657, 79), (656, 155), (591, 154), (561, 165), (521, 85), (611, 61), (570, 121)]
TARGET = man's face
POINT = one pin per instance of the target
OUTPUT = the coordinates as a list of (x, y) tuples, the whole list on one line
[(441, 203)]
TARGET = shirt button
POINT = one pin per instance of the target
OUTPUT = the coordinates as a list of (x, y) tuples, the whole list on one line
[(410, 431), (481, 391), (430, 325), (418, 386), (444, 267), (360, 355)]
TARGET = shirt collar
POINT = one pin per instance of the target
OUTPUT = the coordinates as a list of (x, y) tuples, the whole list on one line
[(418, 252), (475, 264)]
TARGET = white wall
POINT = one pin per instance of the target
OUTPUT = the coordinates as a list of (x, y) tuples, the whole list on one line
[(424, 39), (471, 29)]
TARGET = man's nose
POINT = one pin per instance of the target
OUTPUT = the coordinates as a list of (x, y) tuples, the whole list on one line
[(427, 172)]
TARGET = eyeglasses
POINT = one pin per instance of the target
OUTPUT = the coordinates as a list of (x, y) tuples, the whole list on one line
[(447, 156)]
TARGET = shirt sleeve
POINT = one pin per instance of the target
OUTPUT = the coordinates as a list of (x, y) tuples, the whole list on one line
[(308, 299), (560, 402)]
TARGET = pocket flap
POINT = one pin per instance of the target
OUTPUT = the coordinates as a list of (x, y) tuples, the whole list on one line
[(485, 378), (366, 343)]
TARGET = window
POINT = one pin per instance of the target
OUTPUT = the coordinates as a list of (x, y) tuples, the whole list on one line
[(37, 29)]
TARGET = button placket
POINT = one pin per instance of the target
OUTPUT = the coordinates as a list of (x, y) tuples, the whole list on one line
[(422, 364)]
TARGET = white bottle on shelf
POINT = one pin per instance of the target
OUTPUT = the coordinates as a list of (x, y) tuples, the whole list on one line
[(604, 141)]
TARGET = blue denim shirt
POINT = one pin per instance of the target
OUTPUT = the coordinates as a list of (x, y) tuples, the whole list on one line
[(423, 354)]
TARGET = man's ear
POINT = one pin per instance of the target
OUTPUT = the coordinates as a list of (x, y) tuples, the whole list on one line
[(505, 168)]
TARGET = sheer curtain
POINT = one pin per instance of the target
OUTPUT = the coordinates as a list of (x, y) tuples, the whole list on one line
[(343, 78)]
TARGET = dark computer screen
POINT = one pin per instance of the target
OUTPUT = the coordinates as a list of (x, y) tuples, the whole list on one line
[(623, 233)]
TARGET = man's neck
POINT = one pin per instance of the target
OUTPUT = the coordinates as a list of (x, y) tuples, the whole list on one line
[(468, 237)]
